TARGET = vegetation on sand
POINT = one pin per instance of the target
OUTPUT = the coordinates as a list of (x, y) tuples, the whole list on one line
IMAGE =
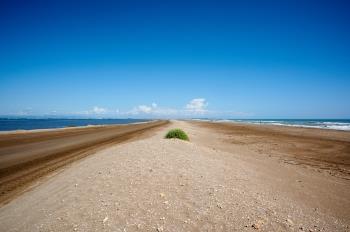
[(177, 134)]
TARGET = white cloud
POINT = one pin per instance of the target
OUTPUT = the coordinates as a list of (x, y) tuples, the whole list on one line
[(194, 107), (197, 105), (98, 110), (25, 112), (144, 109)]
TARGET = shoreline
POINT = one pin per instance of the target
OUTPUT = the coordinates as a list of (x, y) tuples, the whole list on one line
[(26, 157), (71, 127), (323, 150), (19, 131), (271, 124)]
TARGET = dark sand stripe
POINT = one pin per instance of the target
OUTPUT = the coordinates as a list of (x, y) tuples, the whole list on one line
[(27, 157)]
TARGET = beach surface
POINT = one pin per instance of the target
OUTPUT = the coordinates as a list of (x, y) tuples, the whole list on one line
[(26, 156), (228, 177)]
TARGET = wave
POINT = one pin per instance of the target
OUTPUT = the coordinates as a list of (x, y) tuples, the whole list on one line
[(343, 125)]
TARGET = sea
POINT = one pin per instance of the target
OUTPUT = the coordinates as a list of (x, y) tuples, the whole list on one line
[(10, 124), (333, 124)]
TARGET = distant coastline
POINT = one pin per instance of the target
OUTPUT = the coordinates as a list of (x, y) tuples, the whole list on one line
[(333, 124), (15, 124), (9, 124)]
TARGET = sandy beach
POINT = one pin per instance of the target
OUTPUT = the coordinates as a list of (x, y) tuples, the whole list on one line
[(26, 156), (228, 177)]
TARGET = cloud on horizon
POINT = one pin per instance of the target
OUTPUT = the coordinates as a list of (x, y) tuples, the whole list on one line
[(96, 110), (144, 109), (197, 107), (99, 110), (194, 107)]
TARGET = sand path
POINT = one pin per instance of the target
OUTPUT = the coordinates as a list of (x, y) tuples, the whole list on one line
[(156, 184)]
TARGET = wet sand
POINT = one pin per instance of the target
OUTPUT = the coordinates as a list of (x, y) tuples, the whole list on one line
[(26, 156), (322, 149)]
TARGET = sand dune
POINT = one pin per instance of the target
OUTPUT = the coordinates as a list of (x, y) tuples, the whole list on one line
[(227, 178)]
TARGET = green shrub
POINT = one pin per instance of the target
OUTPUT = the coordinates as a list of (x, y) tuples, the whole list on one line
[(177, 134)]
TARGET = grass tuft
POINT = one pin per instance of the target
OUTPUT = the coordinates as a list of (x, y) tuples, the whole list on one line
[(177, 134)]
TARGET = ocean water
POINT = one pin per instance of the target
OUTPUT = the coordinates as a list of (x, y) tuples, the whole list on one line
[(335, 124), (31, 124)]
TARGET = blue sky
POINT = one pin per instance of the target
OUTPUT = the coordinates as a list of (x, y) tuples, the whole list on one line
[(248, 59)]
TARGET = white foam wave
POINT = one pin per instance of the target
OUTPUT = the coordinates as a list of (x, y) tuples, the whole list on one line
[(344, 126)]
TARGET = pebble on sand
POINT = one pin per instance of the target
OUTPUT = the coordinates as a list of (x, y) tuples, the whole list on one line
[(289, 221), (258, 224)]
